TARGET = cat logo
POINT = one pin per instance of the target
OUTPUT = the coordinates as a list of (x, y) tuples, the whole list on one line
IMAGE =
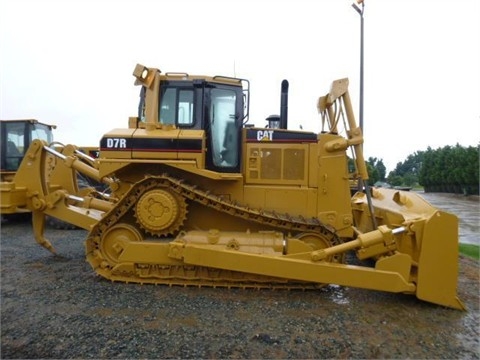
[(265, 135)]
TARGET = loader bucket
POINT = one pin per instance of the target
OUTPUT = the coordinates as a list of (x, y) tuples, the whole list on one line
[(438, 261)]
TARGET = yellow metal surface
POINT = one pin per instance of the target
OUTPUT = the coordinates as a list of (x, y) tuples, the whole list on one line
[(13, 199), (283, 219), (438, 261), (276, 164)]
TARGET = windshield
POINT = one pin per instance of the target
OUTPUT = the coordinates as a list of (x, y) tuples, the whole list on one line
[(42, 132)]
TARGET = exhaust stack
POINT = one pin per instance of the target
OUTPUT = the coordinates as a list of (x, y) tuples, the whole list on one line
[(284, 105)]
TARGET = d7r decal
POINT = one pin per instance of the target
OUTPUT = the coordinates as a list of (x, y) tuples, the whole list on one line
[(116, 143)]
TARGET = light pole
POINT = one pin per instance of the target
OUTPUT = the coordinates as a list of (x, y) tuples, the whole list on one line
[(361, 183), (360, 12)]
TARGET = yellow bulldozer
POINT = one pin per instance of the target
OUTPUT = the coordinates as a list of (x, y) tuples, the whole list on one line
[(199, 197)]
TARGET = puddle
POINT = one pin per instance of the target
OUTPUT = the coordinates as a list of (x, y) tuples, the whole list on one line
[(337, 294), (467, 208)]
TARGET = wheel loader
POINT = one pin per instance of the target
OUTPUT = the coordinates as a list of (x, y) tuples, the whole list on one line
[(197, 196), (15, 138)]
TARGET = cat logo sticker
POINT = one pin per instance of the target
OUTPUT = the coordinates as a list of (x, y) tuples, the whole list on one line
[(265, 135)]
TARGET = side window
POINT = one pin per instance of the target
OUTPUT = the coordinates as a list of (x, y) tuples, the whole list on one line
[(176, 106), (15, 132), (222, 124), (15, 136), (141, 105), (185, 107), (167, 106)]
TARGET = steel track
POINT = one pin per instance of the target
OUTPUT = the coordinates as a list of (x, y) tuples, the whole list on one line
[(186, 275)]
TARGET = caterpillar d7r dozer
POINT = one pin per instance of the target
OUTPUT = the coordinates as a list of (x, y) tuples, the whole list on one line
[(199, 197)]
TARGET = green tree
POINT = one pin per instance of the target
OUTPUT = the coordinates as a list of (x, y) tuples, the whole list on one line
[(376, 170), (408, 171), (453, 169), (394, 180)]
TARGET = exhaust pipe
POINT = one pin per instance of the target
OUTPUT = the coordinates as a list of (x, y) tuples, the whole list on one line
[(284, 105)]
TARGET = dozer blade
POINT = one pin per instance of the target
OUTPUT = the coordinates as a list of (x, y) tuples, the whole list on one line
[(438, 261), (430, 239)]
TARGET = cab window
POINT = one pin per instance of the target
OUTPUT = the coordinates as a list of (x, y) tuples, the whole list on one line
[(42, 132), (222, 123), (15, 144), (176, 107)]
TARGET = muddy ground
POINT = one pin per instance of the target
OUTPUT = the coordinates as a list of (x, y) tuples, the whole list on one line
[(55, 307), (467, 209)]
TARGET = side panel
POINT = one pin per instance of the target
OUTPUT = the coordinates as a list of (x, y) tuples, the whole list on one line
[(158, 144), (192, 146), (334, 205), (291, 200), (277, 171), (277, 164), (300, 174), (116, 144), (277, 157)]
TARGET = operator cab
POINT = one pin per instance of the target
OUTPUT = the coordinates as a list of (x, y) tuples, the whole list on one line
[(217, 105), (16, 136)]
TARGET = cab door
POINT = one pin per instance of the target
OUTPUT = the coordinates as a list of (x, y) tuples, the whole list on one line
[(13, 144), (223, 122)]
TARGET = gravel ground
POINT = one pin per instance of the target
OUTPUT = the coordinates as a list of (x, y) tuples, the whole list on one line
[(55, 307)]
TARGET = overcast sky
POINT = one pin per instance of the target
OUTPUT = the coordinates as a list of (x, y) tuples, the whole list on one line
[(70, 63)]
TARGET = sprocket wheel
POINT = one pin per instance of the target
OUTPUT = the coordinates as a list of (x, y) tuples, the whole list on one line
[(160, 212)]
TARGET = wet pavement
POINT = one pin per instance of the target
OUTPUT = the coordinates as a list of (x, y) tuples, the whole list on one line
[(467, 208)]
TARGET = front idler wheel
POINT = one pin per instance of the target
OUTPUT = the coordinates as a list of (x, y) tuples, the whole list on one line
[(116, 240)]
